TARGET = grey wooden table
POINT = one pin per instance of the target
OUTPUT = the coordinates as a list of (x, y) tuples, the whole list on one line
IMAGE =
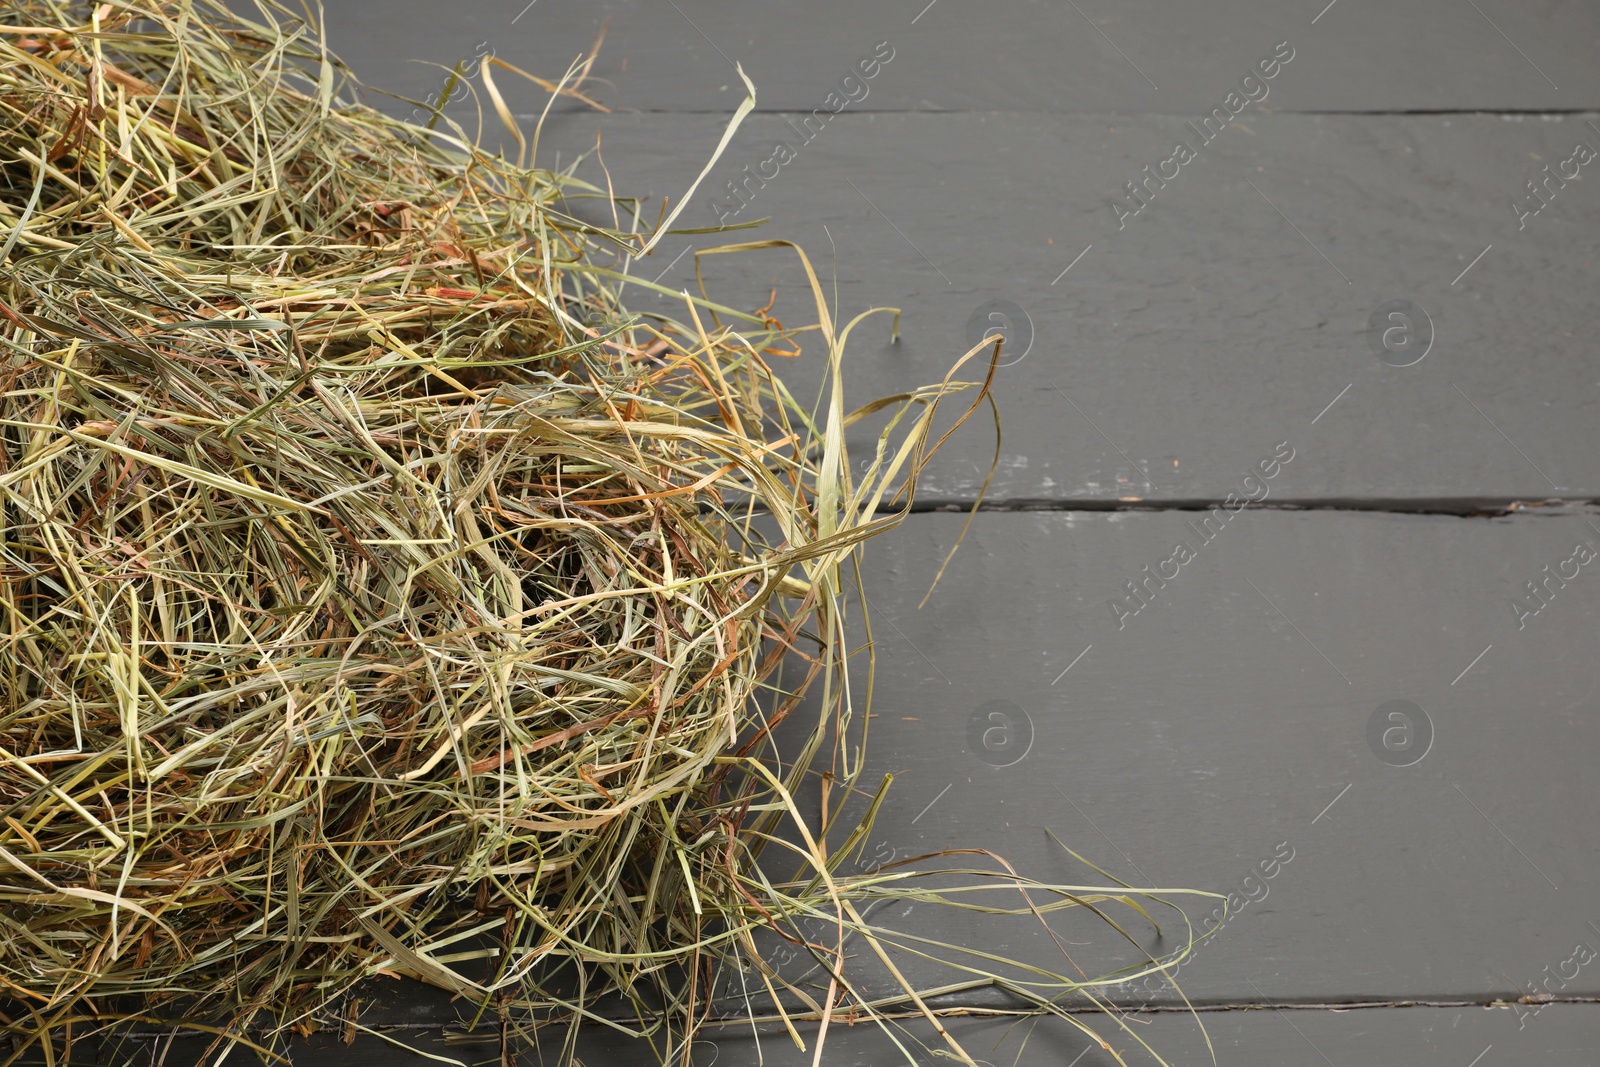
[(1373, 271)]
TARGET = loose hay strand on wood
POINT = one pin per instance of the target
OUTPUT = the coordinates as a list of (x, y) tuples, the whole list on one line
[(377, 596)]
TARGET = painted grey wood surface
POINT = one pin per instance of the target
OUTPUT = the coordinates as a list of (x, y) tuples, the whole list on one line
[(1188, 742), (1141, 56), (1209, 326), (1184, 743), (1148, 349)]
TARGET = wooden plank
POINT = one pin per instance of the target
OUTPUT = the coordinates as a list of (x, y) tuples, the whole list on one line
[(1209, 326), (1142, 55), (1229, 717)]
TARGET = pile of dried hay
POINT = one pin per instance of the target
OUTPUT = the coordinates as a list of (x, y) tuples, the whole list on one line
[(366, 607)]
